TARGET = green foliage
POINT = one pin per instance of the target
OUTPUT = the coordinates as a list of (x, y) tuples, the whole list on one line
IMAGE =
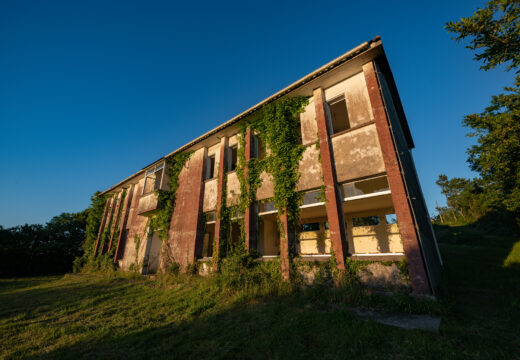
[(495, 31), (496, 156), (240, 272), (166, 198), (466, 198), (43, 249), (224, 215), (278, 130)]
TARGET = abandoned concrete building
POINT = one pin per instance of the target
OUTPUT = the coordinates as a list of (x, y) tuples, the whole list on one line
[(372, 209)]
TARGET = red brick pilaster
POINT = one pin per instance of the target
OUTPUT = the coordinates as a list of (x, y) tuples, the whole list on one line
[(185, 236), (285, 238), (123, 222), (334, 202), (416, 266), (220, 197), (114, 221), (102, 224), (249, 214), (106, 222)]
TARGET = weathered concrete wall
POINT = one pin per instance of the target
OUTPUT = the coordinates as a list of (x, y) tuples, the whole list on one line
[(308, 123), (147, 203), (382, 238), (266, 190), (233, 189), (314, 242), (186, 223), (210, 195), (357, 154), (358, 102), (310, 169), (137, 229)]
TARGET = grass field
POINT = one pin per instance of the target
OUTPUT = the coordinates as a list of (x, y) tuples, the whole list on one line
[(92, 316)]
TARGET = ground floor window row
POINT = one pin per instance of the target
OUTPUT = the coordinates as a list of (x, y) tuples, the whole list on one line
[(373, 234)]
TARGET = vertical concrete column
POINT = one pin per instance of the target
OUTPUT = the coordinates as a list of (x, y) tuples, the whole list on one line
[(114, 221), (102, 224), (249, 214), (220, 197), (107, 222), (416, 266), (285, 238), (121, 239), (334, 201), (185, 236), (135, 228)]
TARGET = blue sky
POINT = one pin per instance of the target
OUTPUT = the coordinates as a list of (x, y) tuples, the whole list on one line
[(92, 91)]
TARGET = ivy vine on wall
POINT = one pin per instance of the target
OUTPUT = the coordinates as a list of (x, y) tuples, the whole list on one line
[(277, 127), (160, 222)]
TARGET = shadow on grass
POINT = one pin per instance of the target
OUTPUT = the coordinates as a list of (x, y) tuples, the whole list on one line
[(485, 293), (286, 327), (91, 318)]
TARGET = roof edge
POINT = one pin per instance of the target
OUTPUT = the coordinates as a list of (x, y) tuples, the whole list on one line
[(307, 78)]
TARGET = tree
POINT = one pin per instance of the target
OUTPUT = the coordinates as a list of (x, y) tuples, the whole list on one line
[(494, 31)]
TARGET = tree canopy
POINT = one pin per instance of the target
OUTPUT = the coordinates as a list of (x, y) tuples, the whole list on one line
[(494, 33)]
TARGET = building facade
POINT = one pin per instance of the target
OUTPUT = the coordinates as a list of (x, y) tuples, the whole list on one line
[(361, 194)]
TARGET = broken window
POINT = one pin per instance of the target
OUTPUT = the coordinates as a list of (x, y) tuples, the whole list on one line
[(311, 197), (315, 226), (365, 187), (210, 167), (339, 114), (266, 206), (366, 221), (391, 219), (153, 179), (233, 158)]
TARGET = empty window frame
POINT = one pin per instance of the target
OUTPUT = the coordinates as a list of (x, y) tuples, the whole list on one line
[(366, 221), (210, 167), (315, 226), (266, 207), (211, 217), (312, 197), (153, 179), (372, 186), (233, 158), (339, 114), (258, 148)]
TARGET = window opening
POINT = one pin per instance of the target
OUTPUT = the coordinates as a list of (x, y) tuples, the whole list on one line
[(365, 187), (210, 167), (339, 114), (391, 219), (153, 179), (311, 227), (366, 221), (233, 158)]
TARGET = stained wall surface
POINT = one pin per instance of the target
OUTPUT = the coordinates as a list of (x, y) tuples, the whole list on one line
[(186, 223)]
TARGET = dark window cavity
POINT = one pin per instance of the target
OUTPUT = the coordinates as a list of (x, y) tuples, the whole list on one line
[(339, 115)]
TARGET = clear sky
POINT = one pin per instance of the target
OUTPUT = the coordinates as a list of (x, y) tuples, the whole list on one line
[(92, 91)]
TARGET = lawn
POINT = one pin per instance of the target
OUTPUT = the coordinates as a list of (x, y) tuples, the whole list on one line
[(125, 317)]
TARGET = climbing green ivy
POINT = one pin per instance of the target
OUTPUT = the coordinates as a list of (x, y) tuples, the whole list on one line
[(321, 193), (224, 215), (160, 222), (277, 127)]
